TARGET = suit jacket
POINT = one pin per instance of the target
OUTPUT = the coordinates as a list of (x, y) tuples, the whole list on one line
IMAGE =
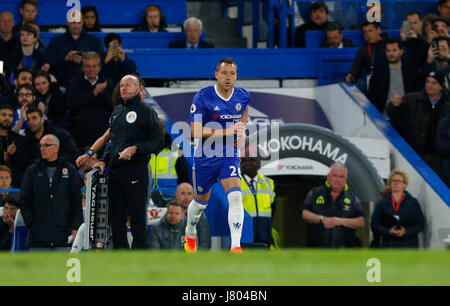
[(380, 80), (348, 43), (181, 44)]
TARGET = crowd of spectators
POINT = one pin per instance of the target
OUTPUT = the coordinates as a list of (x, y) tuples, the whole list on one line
[(67, 88)]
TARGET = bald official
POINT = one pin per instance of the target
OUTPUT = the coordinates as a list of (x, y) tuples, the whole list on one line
[(135, 135)]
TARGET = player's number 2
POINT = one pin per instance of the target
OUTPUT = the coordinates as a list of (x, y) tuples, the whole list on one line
[(233, 171)]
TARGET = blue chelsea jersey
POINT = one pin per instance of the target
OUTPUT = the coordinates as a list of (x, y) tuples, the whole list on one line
[(213, 111)]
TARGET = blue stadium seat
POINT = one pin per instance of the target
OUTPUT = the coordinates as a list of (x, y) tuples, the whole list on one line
[(111, 12)]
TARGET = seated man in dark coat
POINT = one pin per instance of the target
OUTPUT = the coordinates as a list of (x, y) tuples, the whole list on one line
[(193, 28)]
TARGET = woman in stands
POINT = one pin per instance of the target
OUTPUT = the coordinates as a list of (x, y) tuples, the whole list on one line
[(90, 19), (48, 90), (398, 218)]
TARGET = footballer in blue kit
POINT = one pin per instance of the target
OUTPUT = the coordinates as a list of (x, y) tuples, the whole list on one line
[(218, 115)]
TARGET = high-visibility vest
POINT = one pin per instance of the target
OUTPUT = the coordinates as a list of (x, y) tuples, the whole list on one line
[(164, 174), (258, 205)]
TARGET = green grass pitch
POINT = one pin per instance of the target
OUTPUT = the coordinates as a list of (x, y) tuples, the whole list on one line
[(289, 267)]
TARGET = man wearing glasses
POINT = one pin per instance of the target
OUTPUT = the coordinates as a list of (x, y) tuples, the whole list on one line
[(50, 199)]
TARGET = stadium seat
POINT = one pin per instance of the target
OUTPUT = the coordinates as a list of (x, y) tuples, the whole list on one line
[(19, 235)]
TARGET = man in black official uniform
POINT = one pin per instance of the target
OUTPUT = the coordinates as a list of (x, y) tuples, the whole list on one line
[(135, 135), (333, 212)]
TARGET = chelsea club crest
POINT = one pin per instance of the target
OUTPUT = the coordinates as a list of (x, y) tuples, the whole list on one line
[(238, 107)]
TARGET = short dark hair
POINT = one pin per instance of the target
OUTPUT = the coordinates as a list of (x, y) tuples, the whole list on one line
[(12, 199), (32, 2), (393, 40), (28, 28), (333, 26), (439, 38), (226, 60), (23, 70), (317, 6), (110, 37), (441, 19), (175, 202), (366, 23), (35, 110), (7, 106), (27, 86), (410, 13)]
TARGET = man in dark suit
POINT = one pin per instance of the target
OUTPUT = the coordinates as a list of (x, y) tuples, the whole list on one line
[(335, 37), (193, 28), (394, 76)]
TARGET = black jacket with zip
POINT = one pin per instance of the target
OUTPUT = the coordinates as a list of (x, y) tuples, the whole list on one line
[(51, 213), (133, 123)]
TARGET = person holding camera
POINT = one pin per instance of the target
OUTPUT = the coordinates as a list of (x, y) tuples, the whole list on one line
[(397, 217), (65, 51), (438, 58), (116, 64)]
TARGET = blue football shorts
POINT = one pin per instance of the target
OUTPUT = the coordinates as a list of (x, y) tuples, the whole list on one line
[(205, 176)]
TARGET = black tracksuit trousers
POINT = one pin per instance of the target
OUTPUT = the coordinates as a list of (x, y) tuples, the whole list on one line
[(128, 189)]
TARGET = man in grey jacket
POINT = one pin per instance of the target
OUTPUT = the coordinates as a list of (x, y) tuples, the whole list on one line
[(168, 233)]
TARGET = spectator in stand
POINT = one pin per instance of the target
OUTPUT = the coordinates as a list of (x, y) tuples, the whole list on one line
[(193, 29), (319, 19), (395, 76), (12, 145), (427, 29), (443, 148), (5, 182), (444, 8), (335, 37), (38, 127), (416, 116), (153, 20), (27, 56), (398, 218), (89, 102), (367, 56), (28, 10), (91, 22), (185, 194), (40, 45), (168, 233), (24, 76), (412, 26), (440, 25), (9, 41), (116, 63), (48, 91), (65, 51), (55, 211), (26, 98), (7, 222), (414, 39), (438, 58)]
